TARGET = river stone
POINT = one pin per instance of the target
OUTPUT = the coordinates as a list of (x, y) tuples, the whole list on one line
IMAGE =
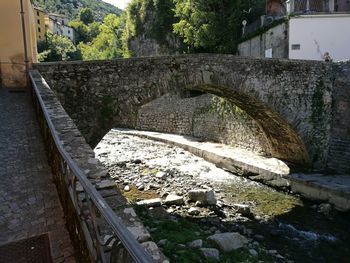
[(211, 253), (161, 175), (228, 241), (173, 200), (204, 196), (196, 243), (325, 209), (150, 202)]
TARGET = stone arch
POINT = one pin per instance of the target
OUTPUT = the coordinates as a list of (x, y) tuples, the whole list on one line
[(284, 142), (291, 100)]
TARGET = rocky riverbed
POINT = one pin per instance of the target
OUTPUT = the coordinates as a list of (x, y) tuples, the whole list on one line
[(197, 212)]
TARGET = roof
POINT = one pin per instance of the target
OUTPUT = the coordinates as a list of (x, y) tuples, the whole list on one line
[(59, 15)]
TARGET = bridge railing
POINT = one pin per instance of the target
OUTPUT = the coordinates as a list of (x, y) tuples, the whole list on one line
[(98, 235)]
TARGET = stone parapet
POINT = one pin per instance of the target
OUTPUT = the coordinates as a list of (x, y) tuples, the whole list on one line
[(91, 231)]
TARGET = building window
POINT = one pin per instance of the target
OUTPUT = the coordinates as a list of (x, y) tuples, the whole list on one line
[(37, 12), (296, 47), (38, 21), (68, 31), (62, 22), (39, 37), (39, 30)]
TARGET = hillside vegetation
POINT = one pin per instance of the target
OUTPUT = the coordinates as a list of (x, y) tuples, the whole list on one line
[(71, 8)]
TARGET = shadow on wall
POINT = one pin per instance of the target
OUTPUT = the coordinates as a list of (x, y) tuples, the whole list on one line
[(204, 116)]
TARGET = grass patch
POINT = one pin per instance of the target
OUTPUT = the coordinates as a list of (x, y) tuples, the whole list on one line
[(135, 195), (148, 171), (183, 231), (266, 201)]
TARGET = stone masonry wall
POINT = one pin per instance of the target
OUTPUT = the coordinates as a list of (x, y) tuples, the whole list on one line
[(198, 117), (83, 221), (275, 38), (291, 101), (339, 151)]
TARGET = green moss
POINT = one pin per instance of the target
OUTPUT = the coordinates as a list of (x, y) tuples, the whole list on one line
[(135, 195), (148, 171), (266, 201), (182, 231)]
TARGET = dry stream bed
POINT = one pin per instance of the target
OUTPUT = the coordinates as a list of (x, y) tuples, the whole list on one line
[(189, 206)]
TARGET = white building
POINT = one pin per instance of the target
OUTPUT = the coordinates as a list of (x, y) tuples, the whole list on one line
[(58, 24), (311, 36), (315, 27)]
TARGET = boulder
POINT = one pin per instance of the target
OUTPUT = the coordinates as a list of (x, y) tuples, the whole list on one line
[(227, 242), (196, 243), (150, 202), (173, 200), (204, 196), (210, 253)]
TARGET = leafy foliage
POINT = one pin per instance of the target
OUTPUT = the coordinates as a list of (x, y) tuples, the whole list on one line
[(71, 8), (85, 27), (214, 26), (149, 18), (86, 16), (57, 48), (107, 44)]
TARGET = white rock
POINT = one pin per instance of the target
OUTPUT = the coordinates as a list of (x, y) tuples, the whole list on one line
[(161, 175), (130, 211), (127, 188), (228, 241), (150, 202), (173, 200), (196, 243), (205, 196), (211, 253)]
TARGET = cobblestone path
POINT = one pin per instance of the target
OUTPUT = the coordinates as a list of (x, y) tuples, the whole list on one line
[(29, 203)]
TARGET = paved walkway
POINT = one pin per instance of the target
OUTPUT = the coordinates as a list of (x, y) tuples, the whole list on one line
[(29, 204), (334, 189)]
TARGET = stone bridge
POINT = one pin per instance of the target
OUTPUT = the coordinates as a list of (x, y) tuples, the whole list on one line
[(302, 107)]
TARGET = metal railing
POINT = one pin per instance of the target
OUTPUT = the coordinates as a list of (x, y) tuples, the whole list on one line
[(90, 206)]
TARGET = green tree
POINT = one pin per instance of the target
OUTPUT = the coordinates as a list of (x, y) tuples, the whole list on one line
[(81, 31), (214, 26), (107, 44), (56, 48), (86, 16)]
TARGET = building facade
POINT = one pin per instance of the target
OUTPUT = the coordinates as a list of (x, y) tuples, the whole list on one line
[(311, 36), (58, 24), (314, 28), (41, 23), (17, 42)]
